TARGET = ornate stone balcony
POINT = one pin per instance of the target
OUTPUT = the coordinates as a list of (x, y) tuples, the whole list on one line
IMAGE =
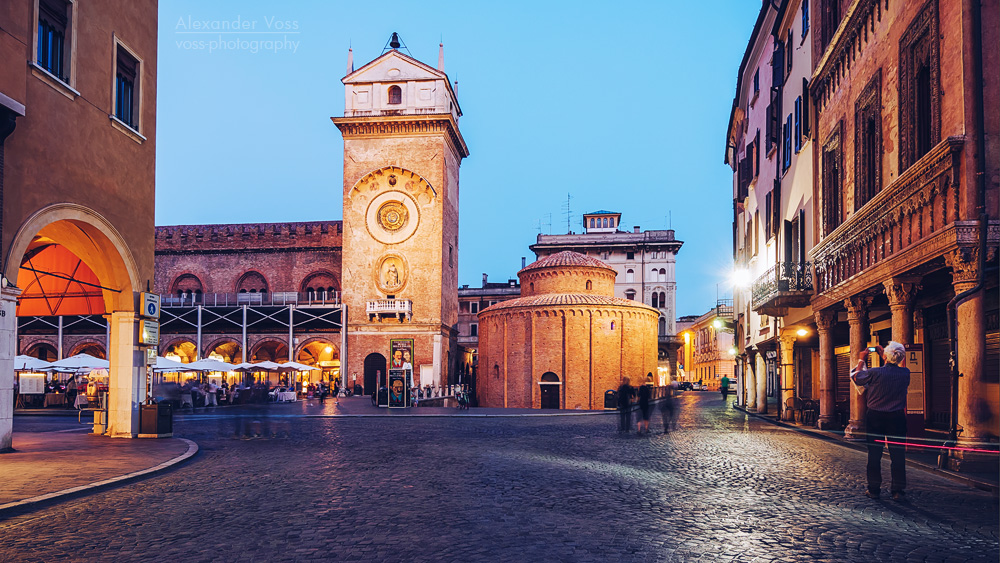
[(908, 214), (378, 309), (784, 285)]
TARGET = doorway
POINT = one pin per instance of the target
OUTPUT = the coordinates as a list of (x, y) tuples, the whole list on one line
[(374, 368), (549, 387)]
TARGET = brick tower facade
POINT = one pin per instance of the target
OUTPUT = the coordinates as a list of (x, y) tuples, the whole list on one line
[(402, 152)]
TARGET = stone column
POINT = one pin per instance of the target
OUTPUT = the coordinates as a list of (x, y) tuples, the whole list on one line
[(825, 321), (761, 384), (128, 378), (8, 350), (787, 367), (750, 382), (857, 317), (974, 412), (900, 292)]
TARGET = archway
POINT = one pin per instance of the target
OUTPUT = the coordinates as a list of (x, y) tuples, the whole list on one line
[(180, 350), (269, 351), (225, 349), (43, 351), (323, 354), (95, 349), (89, 237), (549, 387), (374, 370)]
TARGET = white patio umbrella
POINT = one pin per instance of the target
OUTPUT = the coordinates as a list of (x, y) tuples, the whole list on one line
[(80, 362), (29, 363), (267, 366), (209, 364), (299, 367), (164, 365)]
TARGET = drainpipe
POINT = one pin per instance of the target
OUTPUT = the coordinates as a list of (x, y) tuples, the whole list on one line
[(975, 10)]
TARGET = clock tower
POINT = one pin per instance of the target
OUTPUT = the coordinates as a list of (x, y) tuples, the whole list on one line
[(402, 153)]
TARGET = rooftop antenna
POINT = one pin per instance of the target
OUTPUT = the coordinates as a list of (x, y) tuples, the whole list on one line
[(549, 222), (394, 43), (670, 220), (568, 212)]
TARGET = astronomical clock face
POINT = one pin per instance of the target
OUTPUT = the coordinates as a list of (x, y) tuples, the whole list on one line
[(392, 217)]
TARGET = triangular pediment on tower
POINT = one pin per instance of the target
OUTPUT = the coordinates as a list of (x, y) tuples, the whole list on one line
[(394, 66)]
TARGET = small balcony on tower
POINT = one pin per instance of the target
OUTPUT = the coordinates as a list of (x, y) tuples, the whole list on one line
[(784, 285), (379, 309)]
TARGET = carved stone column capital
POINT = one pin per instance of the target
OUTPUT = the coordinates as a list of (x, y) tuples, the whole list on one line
[(857, 307), (901, 291), (964, 264), (825, 319)]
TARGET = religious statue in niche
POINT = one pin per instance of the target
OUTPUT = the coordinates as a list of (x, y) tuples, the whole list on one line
[(391, 273)]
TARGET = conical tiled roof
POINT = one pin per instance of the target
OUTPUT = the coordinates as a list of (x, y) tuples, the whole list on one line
[(568, 299), (564, 259)]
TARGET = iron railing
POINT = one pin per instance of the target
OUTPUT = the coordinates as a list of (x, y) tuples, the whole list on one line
[(277, 299), (780, 278)]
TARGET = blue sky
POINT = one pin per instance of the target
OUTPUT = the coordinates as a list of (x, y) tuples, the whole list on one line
[(622, 105)]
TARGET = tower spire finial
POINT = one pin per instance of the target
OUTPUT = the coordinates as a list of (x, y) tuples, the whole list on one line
[(350, 60), (441, 55)]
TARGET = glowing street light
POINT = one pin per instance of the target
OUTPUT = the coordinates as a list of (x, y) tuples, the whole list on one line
[(741, 278), (802, 332)]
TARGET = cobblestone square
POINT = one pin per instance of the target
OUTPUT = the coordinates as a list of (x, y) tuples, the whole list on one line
[(723, 487)]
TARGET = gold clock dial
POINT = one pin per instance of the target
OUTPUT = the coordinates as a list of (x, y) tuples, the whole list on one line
[(392, 216)]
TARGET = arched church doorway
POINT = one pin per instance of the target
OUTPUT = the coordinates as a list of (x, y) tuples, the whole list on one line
[(549, 387), (374, 370), (67, 259)]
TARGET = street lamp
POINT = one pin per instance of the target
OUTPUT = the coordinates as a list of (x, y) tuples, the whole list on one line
[(802, 332)]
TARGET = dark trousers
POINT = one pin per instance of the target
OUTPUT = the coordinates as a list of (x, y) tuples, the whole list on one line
[(625, 423), (889, 426), (725, 393)]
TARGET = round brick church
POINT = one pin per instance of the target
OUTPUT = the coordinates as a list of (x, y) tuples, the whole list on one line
[(566, 340)]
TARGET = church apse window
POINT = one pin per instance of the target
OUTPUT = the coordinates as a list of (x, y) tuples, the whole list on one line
[(395, 95), (629, 276), (589, 285)]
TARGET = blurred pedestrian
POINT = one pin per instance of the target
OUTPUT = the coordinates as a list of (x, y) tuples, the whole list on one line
[(625, 395), (885, 389), (667, 408), (645, 393), (724, 387)]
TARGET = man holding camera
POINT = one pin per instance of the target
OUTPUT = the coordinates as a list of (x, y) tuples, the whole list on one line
[(885, 389)]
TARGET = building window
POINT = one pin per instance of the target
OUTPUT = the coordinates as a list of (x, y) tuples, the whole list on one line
[(592, 223), (768, 212), (630, 255), (789, 50), (805, 109), (656, 300), (474, 307), (786, 157), (831, 178), (663, 299), (53, 27), (127, 88), (829, 20), (629, 276), (805, 18), (451, 256), (662, 275), (630, 295), (611, 223), (590, 285), (473, 329), (395, 95), (868, 142), (798, 124), (919, 87), (756, 82)]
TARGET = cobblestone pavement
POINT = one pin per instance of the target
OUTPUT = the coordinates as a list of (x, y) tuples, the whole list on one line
[(725, 487)]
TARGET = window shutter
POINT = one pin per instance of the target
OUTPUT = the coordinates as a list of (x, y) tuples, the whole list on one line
[(778, 65), (776, 206), (756, 154), (805, 106), (769, 131)]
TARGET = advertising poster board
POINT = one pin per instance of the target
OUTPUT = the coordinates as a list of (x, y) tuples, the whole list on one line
[(398, 390), (914, 361), (401, 357)]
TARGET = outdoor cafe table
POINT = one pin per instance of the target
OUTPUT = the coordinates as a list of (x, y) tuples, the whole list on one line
[(55, 399), (285, 396)]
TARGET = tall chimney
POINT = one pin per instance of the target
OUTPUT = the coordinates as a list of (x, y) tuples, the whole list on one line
[(635, 229), (484, 280), (522, 262)]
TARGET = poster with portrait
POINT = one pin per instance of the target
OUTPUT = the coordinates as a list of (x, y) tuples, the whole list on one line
[(401, 357), (398, 390)]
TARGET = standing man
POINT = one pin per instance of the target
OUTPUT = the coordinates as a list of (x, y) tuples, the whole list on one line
[(625, 394), (724, 387), (886, 419)]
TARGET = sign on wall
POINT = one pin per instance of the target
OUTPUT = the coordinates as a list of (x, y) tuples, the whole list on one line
[(914, 361), (149, 333), (150, 305)]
